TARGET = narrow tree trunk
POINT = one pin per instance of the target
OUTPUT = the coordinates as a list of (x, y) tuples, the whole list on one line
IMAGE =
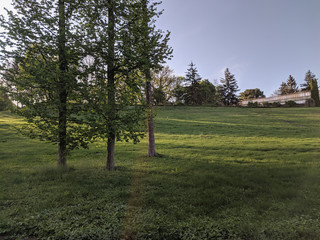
[(110, 154), (151, 138), (110, 164), (63, 67)]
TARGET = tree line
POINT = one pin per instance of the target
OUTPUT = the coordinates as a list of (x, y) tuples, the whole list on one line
[(193, 90), (80, 70)]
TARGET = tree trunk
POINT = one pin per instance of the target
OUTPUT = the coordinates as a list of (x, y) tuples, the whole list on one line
[(110, 154), (110, 164), (151, 138), (62, 87)]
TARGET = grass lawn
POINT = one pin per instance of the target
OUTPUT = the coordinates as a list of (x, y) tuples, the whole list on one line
[(224, 173)]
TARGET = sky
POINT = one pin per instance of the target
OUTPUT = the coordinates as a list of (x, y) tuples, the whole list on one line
[(262, 42)]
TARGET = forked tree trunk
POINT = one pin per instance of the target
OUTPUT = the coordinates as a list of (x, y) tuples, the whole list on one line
[(110, 163), (62, 87)]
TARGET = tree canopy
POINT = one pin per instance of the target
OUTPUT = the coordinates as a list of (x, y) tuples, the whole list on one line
[(251, 94), (288, 87)]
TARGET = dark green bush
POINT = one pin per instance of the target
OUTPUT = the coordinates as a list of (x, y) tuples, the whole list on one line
[(253, 104), (276, 104), (290, 103)]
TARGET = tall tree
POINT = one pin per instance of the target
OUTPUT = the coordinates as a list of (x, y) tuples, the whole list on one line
[(307, 81), (110, 61), (121, 57), (192, 81), (315, 91), (40, 40), (289, 87), (155, 50), (111, 82), (228, 89)]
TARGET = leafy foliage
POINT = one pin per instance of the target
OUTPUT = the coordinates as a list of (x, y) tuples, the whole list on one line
[(40, 68), (164, 83), (251, 94)]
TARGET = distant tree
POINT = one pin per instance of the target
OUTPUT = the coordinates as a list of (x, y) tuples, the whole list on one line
[(307, 81), (228, 89), (192, 82), (251, 94), (315, 91), (163, 85), (289, 87), (179, 92), (207, 92)]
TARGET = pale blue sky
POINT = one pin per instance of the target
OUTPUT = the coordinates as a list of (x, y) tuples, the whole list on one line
[(261, 41)]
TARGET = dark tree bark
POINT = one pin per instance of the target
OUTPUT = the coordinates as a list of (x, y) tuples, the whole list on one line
[(63, 67), (110, 165)]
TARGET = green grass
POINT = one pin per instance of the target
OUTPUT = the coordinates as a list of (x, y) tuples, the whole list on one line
[(224, 173)]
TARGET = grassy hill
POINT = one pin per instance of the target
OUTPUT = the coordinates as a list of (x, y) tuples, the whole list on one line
[(224, 173)]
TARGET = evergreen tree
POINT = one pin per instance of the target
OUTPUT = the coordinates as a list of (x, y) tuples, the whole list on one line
[(307, 81), (289, 87), (315, 91), (40, 38), (192, 81), (228, 89)]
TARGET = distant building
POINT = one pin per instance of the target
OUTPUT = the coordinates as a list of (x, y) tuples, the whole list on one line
[(299, 98)]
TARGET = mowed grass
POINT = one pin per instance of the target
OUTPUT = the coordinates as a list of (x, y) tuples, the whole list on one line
[(223, 173)]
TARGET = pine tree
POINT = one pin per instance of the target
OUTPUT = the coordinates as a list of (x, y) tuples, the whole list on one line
[(228, 89), (307, 81), (40, 39), (289, 87), (192, 81)]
